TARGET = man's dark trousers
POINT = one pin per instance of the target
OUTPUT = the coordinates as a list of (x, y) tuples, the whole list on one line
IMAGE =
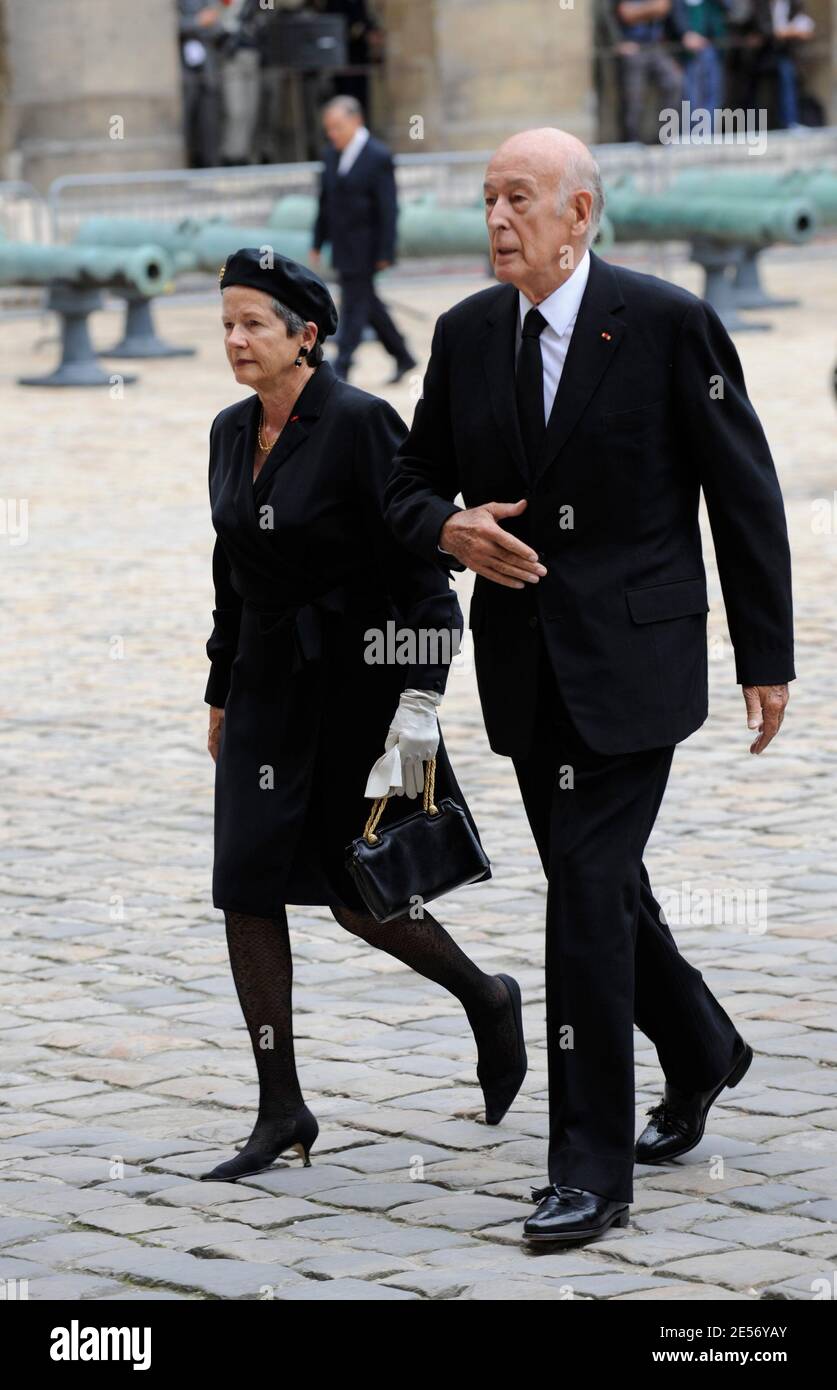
[(610, 959), (359, 305)]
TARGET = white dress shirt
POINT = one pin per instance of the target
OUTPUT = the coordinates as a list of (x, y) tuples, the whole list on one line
[(351, 151), (560, 309)]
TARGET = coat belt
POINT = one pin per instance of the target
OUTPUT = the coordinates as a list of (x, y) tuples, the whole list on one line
[(307, 621)]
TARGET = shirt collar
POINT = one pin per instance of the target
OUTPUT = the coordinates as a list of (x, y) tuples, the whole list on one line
[(561, 307), (358, 140)]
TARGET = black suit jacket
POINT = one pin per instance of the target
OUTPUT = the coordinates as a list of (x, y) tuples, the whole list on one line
[(651, 409), (358, 211)]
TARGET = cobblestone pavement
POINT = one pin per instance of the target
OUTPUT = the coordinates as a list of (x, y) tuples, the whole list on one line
[(126, 1067)]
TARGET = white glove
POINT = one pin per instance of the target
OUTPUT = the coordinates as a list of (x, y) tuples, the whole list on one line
[(413, 738)]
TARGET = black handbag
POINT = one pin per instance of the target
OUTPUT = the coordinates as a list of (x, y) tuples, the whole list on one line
[(428, 853)]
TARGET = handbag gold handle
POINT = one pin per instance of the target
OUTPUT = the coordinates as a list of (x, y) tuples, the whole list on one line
[(378, 806)]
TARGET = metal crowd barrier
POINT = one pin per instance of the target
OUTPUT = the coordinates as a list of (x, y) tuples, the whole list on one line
[(246, 193)]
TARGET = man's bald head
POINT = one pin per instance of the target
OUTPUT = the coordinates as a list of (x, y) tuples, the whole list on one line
[(544, 202), (555, 155)]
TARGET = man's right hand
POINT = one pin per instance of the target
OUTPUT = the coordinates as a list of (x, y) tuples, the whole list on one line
[(216, 719), (314, 259), (475, 538)]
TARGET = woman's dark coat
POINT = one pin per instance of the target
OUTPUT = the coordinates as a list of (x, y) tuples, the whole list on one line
[(303, 565)]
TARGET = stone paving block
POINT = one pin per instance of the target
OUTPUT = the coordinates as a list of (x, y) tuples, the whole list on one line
[(744, 1269), (81, 1169), (57, 1199), (12, 1267), (380, 1196), (67, 1287), (351, 1264), (175, 1269), (135, 1293), (389, 1157), (333, 1290), (804, 1287), (137, 1218), (772, 1196), (14, 1229), (410, 1241), (273, 1212), (483, 1173), (282, 1249), (296, 1181), (349, 1227), (758, 1229), (681, 1217), (58, 1250), (825, 1210), (461, 1212), (685, 1293), (660, 1247)]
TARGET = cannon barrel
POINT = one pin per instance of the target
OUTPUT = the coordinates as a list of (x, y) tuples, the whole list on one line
[(295, 212), (669, 216), (193, 244), (818, 186), (425, 227), (214, 242), (144, 267)]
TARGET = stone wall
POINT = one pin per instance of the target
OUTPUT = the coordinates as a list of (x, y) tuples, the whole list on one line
[(476, 70), (94, 86)]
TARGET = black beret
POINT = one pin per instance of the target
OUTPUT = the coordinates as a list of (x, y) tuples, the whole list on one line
[(291, 283)]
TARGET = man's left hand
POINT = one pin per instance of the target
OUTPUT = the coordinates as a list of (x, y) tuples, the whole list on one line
[(765, 711)]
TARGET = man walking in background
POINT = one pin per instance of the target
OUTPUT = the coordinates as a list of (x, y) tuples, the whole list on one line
[(357, 214)]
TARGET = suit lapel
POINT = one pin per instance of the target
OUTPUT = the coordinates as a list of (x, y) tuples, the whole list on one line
[(498, 363), (596, 337)]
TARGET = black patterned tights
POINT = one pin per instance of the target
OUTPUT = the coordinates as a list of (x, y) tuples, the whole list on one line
[(260, 957)]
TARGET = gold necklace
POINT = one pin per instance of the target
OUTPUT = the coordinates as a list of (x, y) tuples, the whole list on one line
[(265, 448)]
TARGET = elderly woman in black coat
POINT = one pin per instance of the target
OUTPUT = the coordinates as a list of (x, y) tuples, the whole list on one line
[(303, 568)]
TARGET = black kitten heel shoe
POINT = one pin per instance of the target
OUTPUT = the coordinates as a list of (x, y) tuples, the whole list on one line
[(261, 1150)]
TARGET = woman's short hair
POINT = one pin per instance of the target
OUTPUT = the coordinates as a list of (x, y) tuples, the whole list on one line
[(294, 324)]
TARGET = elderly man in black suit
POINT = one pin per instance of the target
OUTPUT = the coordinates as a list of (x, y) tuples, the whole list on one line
[(357, 214), (580, 408)]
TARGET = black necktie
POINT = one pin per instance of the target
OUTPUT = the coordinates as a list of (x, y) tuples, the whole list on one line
[(529, 386)]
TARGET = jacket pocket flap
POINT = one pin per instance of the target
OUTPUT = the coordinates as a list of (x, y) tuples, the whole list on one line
[(661, 601)]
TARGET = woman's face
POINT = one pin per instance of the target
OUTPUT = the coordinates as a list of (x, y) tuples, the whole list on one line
[(256, 340)]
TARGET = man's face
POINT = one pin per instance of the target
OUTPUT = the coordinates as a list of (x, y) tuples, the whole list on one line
[(339, 127), (528, 236)]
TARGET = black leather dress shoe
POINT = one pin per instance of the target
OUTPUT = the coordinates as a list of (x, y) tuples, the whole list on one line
[(677, 1122), (572, 1215)]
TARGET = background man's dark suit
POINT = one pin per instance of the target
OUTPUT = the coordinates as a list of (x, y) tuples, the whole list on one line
[(358, 214), (601, 665)]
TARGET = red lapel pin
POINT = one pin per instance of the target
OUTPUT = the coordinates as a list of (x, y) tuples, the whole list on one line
[(294, 417), (607, 337)]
